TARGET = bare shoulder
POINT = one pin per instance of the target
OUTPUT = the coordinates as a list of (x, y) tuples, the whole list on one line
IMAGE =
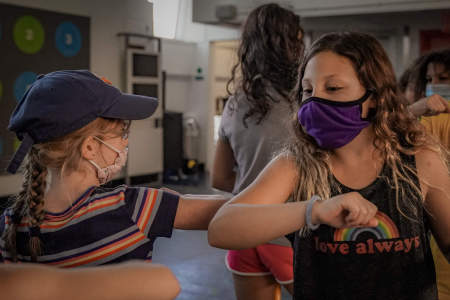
[(284, 164), (427, 159), (280, 172), (432, 168)]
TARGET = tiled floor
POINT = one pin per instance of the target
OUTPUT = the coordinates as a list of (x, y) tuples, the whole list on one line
[(199, 267)]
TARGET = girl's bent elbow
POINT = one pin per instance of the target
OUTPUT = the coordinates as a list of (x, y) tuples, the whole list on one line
[(214, 239), (176, 289), (171, 286)]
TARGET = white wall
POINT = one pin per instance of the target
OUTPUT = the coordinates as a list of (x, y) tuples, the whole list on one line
[(196, 100), (165, 15), (108, 17), (206, 9), (347, 7), (179, 63), (389, 25)]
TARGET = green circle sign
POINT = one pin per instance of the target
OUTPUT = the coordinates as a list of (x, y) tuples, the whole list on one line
[(28, 34)]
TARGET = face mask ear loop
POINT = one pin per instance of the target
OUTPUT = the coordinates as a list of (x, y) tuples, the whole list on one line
[(94, 163), (107, 145), (370, 113)]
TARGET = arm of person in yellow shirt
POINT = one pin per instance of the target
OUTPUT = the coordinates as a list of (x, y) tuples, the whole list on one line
[(430, 106), (434, 178)]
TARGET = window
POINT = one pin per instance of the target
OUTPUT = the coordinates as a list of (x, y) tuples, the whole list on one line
[(165, 17)]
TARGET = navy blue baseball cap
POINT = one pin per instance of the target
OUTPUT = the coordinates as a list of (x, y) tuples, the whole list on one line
[(61, 102)]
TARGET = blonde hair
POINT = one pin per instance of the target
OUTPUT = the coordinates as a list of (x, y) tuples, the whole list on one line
[(397, 132), (63, 154)]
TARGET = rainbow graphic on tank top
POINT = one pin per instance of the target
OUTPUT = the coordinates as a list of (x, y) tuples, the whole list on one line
[(386, 229)]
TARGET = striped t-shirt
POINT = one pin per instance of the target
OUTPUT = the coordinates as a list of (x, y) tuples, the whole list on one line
[(102, 226)]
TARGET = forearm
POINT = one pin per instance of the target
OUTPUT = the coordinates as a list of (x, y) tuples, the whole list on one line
[(127, 281), (196, 211), (132, 281), (433, 171), (432, 105), (240, 226), (417, 109), (28, 281)]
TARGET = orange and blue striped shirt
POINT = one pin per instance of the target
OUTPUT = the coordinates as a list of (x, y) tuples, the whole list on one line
[(102, 226)]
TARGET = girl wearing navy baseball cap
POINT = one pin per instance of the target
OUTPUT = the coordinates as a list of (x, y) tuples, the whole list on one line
[(74, 131)]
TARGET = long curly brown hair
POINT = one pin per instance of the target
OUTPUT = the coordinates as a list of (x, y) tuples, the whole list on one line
[(396, 131), (62, 154), (268, 57)]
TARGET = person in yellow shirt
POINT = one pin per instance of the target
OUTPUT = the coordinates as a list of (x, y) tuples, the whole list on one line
[(437, 71), (431, 70)]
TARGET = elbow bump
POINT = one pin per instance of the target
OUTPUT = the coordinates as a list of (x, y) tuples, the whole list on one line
[(176, 289), (172, 285), (213, 237)]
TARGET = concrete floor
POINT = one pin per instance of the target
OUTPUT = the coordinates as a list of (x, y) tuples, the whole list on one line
[(199, 268)]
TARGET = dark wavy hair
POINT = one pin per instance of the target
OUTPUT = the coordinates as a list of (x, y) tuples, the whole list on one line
[(405, 79), (268, 57), (410, 76), (436, 57), (396, 131)]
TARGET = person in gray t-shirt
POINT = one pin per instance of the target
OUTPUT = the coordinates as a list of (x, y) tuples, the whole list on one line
[(253, 128)]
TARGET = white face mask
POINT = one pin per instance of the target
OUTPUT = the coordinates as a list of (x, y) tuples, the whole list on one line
[(107, 173)]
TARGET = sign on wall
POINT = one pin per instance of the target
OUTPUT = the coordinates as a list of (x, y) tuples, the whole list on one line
[(33, 42)]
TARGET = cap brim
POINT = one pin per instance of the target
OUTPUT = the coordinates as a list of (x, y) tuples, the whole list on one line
[(131, 107)]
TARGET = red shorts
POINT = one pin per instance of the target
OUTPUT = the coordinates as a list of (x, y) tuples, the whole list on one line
[(267, 259)]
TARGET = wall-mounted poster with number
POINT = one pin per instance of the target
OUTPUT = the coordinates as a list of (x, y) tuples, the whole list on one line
[(34, 42)]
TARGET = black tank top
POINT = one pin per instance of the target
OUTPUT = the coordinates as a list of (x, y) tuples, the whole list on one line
[(391, 261)]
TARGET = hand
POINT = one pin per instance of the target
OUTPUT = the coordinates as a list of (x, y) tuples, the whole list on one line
[(435, 105), (345, 210)]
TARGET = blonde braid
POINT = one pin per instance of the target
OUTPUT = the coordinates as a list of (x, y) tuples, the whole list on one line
[(35, 203), (18, 211)]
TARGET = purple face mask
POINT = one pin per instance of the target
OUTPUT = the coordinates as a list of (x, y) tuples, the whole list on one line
[(332, 124)]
